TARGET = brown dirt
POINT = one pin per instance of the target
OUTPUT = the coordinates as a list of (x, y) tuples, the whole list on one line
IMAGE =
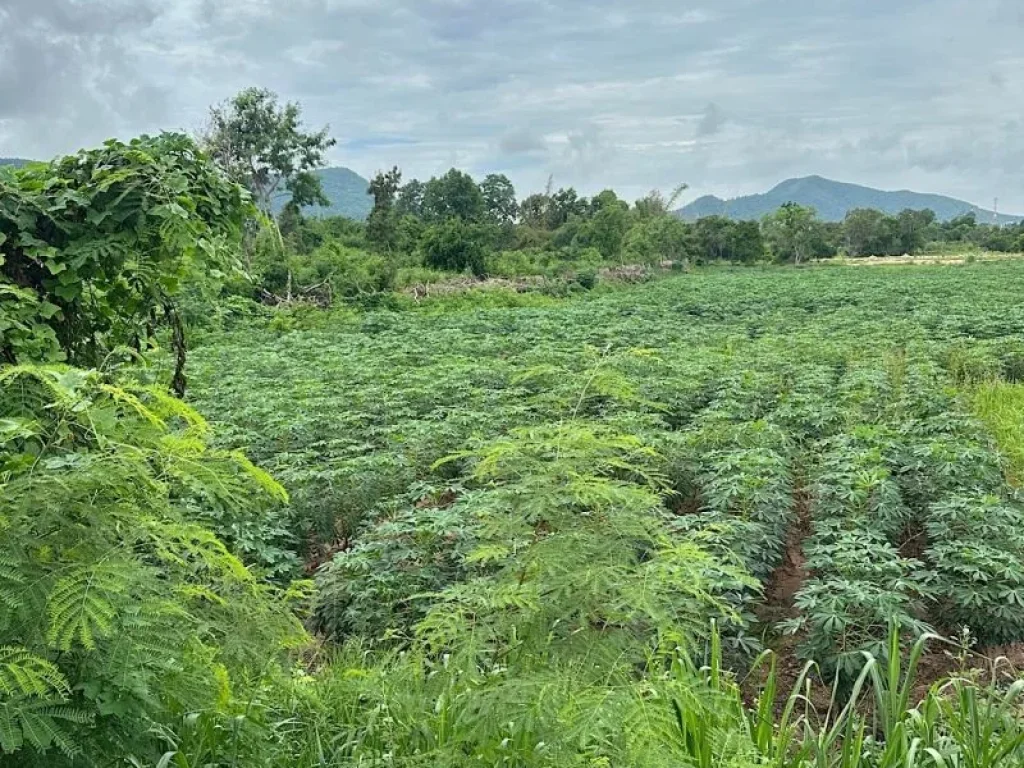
[(913, 541), (791, 573), (442, 500), (319, 552), (997, 664)]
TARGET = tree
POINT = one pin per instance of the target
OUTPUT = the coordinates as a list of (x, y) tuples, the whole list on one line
[(453, 196), (381, 224), (746, 245), (453, 245), (660, 238), (94, 248), (961, 228), (606, 199), (792, 232), (914, 227), (864, 232), (534, 210), (722, 239), (410, 199), (499, 199), (264, 147), (607, 230), (656, 204), (306, 189), (563, 204), (712, 234)]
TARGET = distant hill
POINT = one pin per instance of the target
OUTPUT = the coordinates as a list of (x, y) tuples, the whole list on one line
[(832, 199), (15, 161), (346, 190)]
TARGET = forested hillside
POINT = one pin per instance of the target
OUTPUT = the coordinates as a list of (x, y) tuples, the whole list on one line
[(347, 192), (833, 200)]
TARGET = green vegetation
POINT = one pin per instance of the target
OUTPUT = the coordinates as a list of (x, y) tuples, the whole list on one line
[(708, 520), (1000, 405), (557, 241), (95, 249), (447, 463)]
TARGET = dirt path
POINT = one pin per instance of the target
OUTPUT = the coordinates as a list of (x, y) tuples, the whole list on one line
[(791, 573)]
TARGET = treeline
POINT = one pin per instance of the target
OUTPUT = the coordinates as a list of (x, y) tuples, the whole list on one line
[(870, 232), (426, 231), (420, 232)]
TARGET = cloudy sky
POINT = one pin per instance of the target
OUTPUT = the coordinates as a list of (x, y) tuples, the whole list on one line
[(730, 96)]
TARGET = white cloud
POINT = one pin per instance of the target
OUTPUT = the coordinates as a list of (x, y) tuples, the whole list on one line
[(730, 96)]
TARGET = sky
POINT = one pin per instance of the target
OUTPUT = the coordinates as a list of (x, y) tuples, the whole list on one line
[(728, 96)]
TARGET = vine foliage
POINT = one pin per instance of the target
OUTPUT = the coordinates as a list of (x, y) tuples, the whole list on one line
[(95, 247)]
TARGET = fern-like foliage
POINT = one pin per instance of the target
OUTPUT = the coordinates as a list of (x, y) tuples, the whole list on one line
[(117, 603), (33, 702), (575, 551)]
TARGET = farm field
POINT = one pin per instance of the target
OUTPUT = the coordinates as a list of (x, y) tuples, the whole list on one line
[(828, 438)]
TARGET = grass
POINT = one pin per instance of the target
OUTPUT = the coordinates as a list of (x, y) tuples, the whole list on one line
[(1000, 405)]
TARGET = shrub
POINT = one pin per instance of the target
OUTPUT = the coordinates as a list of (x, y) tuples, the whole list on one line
[(454, 246), (117, 608), (382, 585)]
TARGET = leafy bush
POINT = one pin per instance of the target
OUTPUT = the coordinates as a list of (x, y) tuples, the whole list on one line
[(332, 271), (454, 246), (104, 240), (118, 609), (382, 585)]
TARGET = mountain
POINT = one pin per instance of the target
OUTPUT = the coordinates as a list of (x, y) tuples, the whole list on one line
[(832, 199), (347, 191), (17, 162)]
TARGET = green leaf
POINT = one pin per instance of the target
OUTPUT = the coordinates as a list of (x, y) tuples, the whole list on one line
[(47, 309)]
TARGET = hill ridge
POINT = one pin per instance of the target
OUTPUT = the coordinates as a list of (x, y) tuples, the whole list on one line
[(346, 189), (833, 199)]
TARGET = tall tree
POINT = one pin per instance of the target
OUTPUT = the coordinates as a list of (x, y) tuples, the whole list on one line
[(654, 203), (606, 199), (746, 245), (453, 196), (791, 231), (499, 199), (862, 232), (563, 204), (713, 234), (410, 199), (914, 228), (607, 229), (660, 238), (265, 147), (533, 211), (381, 225)]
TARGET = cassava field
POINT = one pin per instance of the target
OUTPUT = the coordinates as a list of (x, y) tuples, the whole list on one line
[(822, 460)]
